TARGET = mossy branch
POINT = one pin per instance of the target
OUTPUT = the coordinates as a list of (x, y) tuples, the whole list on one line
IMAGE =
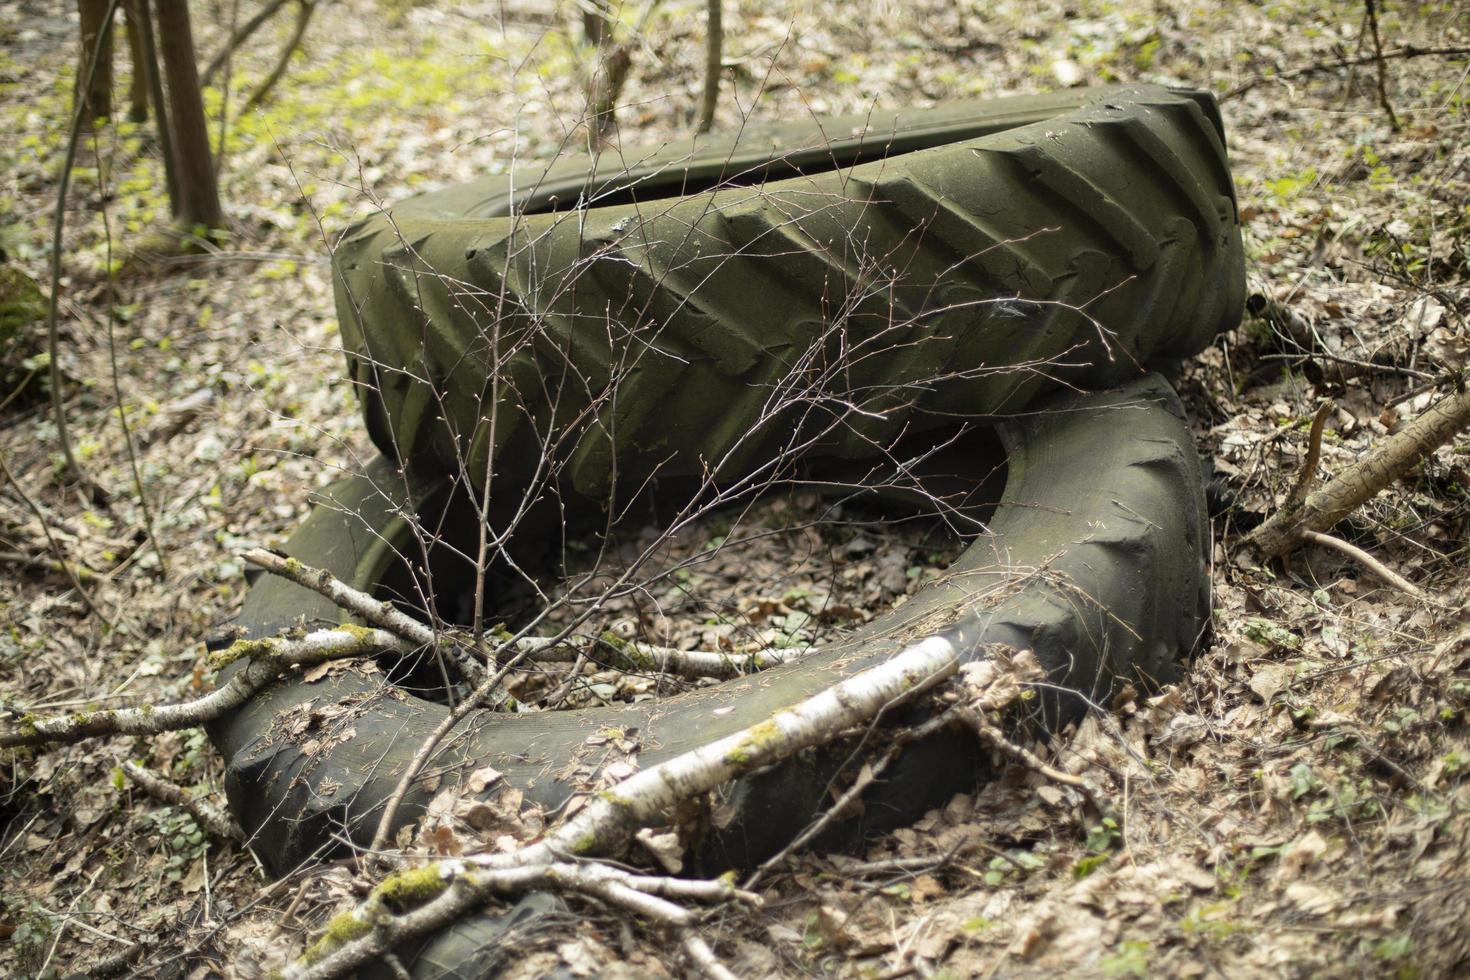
[(365, 607), (607, 821), (269, 659)]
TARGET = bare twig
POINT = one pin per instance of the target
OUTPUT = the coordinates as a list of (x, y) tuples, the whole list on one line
[(996, 739), (58, 224), (636, 656), (1393, 119), (215, 821), (458, 889), (430, 744), (239, 37), (1317, 68), (1446, 647), (129, 443), (361, 604), (304, 10), (51, 542)]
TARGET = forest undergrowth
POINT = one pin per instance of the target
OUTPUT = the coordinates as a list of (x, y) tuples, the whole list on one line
[(1299, 805)]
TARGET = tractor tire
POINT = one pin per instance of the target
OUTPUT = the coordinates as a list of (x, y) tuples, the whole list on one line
[(809, 290), (1095, 560)]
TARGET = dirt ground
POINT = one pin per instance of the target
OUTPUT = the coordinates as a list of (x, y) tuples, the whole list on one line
[(1299, 806)]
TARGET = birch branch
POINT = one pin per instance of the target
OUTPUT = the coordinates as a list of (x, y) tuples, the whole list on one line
[(639, 657), (360, 604), (607, 821), (1342, 494), (269, 659), (629, 655), (454, 888)]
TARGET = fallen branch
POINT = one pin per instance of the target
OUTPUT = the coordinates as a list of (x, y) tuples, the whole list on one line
[(212, 819), (996, 739), (457, 889), (363, 606), (1341, 495), (1366, 560), (607, 821), (638, 657), (1308, 476), (269, 659), (629, 654)]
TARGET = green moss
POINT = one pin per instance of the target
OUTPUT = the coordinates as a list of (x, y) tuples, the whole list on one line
[(243, 648), (756, 740), (342, 930), (621, 802), (628, 652), (409, 889)]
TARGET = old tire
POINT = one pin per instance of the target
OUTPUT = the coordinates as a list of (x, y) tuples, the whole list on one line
[(954, 262), (1095, 560)]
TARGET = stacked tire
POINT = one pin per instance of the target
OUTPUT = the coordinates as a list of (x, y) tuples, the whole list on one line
[(1022, 263)]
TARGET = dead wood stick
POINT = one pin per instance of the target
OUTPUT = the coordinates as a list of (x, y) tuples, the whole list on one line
[(868, 775), (1362, 557), (1308, 475), (1446, 647), (212, 819), (269, 659), (239, 37), (304, 10), (1393, 119), (1362, 480)]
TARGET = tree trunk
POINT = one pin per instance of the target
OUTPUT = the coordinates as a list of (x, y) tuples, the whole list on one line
[(198, 191), (142, 65), (147, 39), (714, 44), (96, 98)]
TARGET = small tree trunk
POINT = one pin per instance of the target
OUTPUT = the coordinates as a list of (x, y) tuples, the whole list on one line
[(142, 65), (147, 40), (594, 22), (96, 43), (198, 191), (714, 44)]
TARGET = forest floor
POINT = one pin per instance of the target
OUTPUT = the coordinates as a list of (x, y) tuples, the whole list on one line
[(1298, 806)]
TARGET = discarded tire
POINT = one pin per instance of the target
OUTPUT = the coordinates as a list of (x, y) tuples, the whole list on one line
[(1095, 560), (649, 307), (900, 272)]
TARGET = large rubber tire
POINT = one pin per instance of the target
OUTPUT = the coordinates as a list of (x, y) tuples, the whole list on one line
[(930, 253), (1095, 560)]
